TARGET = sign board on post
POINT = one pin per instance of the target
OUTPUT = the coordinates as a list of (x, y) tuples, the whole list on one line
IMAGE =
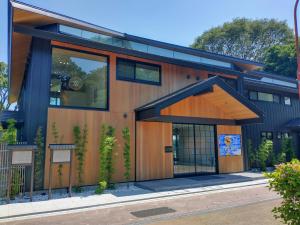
[(21, 155), (59, 154), (230, 144)]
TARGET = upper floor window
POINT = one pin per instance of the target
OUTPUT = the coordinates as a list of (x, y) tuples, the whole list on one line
[(287, 100), (262, 96), (266, 135), (78, 79), (138, 71)]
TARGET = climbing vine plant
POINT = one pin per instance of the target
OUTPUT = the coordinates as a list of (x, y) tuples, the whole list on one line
[(55, 135), (80, 141), (38, 167), (106, 149), (126, 152)]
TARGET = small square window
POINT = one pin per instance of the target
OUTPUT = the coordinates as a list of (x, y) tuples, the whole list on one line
[(266, 135), (253, 95), (276, 98), (285, 135), (287, 100), (269, 135), (279, 135)]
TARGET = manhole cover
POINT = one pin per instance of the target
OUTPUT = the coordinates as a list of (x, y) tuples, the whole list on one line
[(152, 212)]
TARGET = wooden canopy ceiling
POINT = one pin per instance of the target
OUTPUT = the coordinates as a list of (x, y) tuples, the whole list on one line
[(211, 99)]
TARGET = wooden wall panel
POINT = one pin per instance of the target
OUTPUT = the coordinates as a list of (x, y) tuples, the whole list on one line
[(230, 164), (152, 161), (66, 119), (221, 106), (124, 97)]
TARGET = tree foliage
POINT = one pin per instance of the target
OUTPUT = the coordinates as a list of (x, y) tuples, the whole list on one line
[(245, 38), (4, 104), (281, 59), (9, 135)]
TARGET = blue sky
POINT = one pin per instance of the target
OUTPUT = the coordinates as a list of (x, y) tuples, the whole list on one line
[(173, 21)]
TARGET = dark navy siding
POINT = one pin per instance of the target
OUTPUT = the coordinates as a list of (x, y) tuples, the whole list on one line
[(35, 96), (276, 116)]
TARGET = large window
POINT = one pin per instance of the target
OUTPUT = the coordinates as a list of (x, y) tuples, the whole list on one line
[(262, 96), (137, 71), (78, 79)]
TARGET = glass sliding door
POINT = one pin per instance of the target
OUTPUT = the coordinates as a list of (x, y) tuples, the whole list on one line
[(194, 149), (205, 149), (183, 144)]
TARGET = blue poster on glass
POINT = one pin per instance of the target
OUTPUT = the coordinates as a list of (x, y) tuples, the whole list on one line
[(230, 144)]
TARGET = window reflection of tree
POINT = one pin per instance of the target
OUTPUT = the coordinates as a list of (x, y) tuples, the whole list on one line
[(91, 93)]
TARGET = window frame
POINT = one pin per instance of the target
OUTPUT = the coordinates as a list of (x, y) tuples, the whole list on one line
[(284, 101), (266, 137), (259, 100), (107, 81), (135, 62)]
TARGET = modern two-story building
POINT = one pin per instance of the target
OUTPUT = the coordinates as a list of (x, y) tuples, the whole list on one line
[(189, 111)]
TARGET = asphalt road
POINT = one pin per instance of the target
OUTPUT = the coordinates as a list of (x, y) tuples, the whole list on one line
[(243, 206), (255, 213)]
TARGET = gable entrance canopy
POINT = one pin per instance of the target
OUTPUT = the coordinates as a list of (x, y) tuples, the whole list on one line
[(211, 101)]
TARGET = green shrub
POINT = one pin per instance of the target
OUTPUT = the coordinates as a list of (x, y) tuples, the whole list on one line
[(9, 136), (265, 151), (126, 152), (101, 188), (15, 183), (285, 180), (287, 148), (253, 154)]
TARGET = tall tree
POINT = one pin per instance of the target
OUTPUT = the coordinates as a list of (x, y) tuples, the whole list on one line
[(245, 38), (4, 104), (281, 59)]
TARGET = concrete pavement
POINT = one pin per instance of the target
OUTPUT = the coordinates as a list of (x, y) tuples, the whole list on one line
[(122, 195)]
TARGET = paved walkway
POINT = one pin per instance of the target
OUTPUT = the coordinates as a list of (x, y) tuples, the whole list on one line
[(122, 195), (237, 206)]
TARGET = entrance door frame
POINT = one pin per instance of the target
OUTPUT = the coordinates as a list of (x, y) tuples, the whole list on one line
[(216, 151)]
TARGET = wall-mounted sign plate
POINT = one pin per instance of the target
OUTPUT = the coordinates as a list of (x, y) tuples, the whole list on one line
[(21, 157), (168, 149), (61, 156)]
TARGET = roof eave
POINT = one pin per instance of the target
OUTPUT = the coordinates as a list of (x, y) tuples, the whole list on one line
[(44, 12)]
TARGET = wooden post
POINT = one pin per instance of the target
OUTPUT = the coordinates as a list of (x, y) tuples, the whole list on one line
[(32, 176), (9, 183), (50, 176), (70, 174), (58, 156)]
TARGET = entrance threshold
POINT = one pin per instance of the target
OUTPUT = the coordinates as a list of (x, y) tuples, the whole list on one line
[(199, 181)]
